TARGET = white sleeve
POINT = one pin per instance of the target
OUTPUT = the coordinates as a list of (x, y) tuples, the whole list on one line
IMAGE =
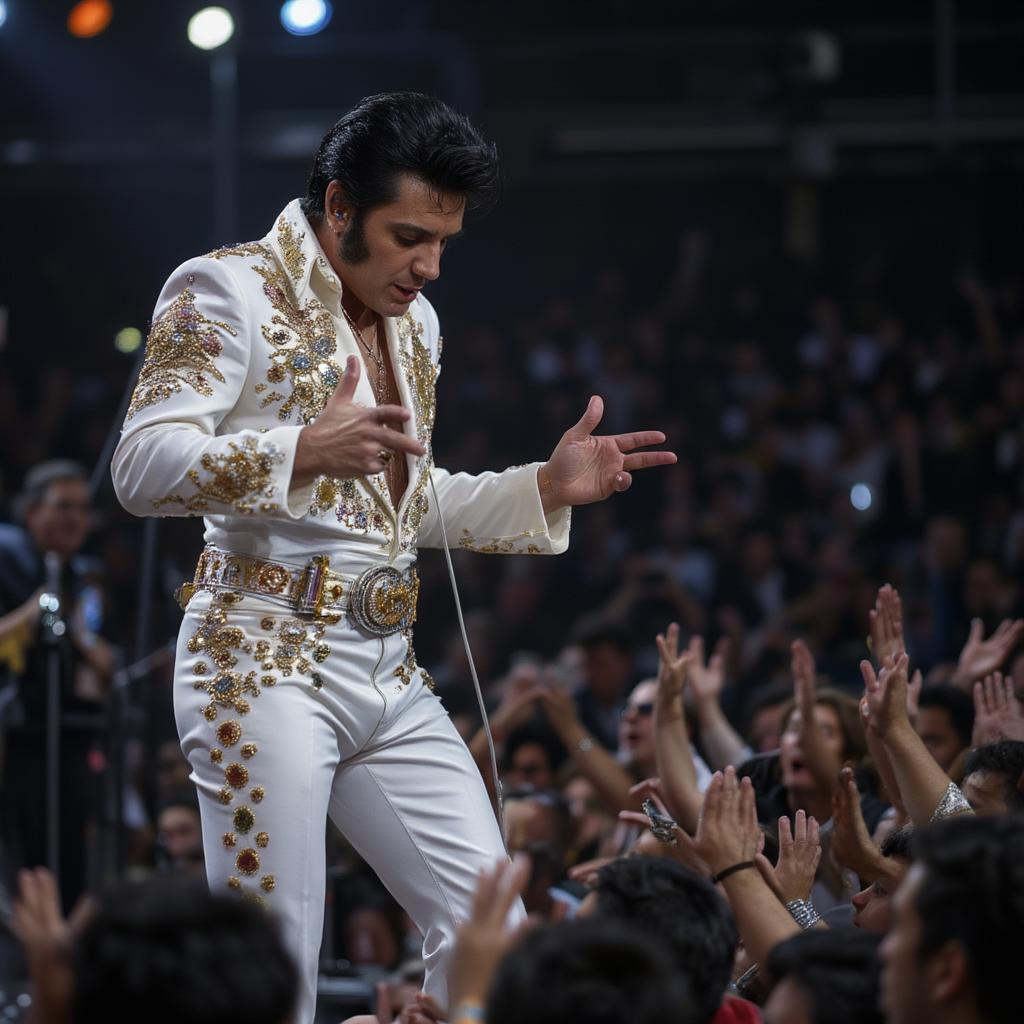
[(173, 459), (494, 513)]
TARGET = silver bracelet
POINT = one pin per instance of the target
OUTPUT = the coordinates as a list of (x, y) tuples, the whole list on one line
[(803, 912)]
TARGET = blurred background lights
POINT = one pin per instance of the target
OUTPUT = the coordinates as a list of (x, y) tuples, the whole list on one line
[(89, 18), (211, 27), (128, 339), (860, 497), (3, 13), (305, 17)]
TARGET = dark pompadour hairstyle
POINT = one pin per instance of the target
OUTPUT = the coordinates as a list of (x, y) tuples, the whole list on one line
[(837, 969), (683, 911), (396, 133), (166, 951), (602, 972), (972, 894)]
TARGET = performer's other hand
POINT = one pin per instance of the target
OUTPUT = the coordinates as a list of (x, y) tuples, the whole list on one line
[(347, 438), (585, 467)]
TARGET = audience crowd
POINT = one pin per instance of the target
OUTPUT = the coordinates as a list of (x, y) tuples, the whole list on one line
[(760, 746)]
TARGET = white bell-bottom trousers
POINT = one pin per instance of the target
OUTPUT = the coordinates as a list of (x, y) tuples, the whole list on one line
[(287, 721)]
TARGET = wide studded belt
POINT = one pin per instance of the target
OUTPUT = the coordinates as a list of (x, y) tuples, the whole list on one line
[(379, 601)]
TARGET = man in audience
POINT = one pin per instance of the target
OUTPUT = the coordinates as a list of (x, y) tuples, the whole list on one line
[(994, 778), (164, 952), (683, 911), (607, 676), (825, 977), (952, 954), (179, 834), (601, 972), (945, 720)]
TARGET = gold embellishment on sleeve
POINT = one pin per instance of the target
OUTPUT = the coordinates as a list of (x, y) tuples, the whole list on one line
[(240, 478), (291, 247), (500, 545), (180, 350)]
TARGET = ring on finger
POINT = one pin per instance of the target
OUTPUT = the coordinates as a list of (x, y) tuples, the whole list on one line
[(385, 455)]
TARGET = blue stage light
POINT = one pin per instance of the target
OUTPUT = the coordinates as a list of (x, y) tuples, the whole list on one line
[(305, 17), (3, 13)]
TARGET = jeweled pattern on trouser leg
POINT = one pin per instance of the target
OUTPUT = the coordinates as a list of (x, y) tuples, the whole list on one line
[(226, 688)]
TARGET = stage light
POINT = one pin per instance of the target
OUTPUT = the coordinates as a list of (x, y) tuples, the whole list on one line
[(861, 497), (128, 340), (305, 17), (3, 13), (89, 18), (211, 27)]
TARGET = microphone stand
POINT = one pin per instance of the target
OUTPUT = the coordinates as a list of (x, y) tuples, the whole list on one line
[(53, 630)]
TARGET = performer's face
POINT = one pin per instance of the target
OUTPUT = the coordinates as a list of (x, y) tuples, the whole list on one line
[(387, 254)]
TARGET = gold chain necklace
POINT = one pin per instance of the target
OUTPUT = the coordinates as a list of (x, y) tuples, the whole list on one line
[(380, 385)]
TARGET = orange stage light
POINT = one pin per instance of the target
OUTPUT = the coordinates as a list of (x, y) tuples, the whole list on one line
[(89, 18)]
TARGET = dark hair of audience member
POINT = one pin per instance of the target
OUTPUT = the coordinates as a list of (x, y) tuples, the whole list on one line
[(1006, 758), (957, 704), (837, 971), (683, 911), (601, 972), (899, 843), (167, 952), (972, 894)]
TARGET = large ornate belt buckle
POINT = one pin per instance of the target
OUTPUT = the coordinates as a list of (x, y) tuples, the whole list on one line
[(382, 600)]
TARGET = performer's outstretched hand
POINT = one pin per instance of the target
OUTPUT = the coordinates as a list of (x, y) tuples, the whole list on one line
[(585, 467)]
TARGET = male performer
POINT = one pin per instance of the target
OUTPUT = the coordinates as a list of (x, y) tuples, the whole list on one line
[(288, 396)]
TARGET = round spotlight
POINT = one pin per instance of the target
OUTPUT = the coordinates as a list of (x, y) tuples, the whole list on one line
[(305, 17), (861, 497), (3, 13), (128, 340), (89, 18), (211, 27)]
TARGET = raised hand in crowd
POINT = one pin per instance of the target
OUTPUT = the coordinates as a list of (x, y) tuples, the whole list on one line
[(705, 682), (728, 839), (47, 939), (886, 625), (670, 841), (851, 845), (484, 939), (980, 657), (612, 782), (921, 783), (997, 712), (792, 877), (671, 736)]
